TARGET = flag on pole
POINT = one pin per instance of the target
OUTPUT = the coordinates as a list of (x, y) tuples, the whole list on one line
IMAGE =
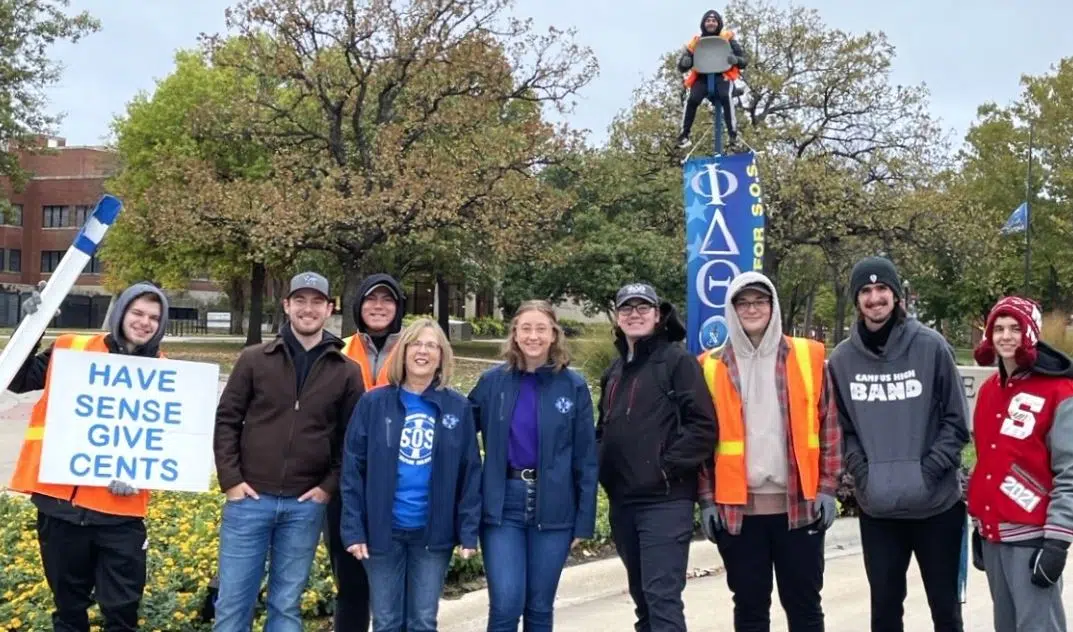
[(1017, 221)]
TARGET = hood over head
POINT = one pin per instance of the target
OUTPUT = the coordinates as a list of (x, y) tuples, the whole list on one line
[(743, 346), (119, 310), (710, 13), (367, 285)]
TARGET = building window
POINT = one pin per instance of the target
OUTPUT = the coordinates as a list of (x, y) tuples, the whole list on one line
[(50, 260), (94, 266), (13, 215), (81, 213), (14, 260), (55, 216)]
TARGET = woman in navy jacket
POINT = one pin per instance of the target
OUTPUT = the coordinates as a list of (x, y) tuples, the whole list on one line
[(539, 481), (411, 482)]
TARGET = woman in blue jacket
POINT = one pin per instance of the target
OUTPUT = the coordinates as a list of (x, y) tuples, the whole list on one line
[(411, 482), (539, 481)]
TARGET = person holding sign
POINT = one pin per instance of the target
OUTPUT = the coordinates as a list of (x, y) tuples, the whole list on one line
[(278, 444), (93, 539), (411, 482), (378, 313), (1021, 490), (711, 25)]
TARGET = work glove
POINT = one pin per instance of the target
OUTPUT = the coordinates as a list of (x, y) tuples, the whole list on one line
[(685, 62), (119, 488), (977, 551), (710, 520), (826, 510), (30, 305), (733, 60), (1048, 562)]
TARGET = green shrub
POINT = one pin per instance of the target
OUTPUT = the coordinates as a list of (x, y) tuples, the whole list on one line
[(488, 327)]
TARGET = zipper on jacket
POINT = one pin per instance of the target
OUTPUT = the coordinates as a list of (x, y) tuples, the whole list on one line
[(629, 400), (297, 406), (540, 458)]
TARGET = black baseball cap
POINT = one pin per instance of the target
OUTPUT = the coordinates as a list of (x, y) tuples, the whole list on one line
[(642, 291)]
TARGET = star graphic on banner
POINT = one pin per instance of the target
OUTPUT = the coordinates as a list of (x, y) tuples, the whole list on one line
[(693, 248), (696, 212)]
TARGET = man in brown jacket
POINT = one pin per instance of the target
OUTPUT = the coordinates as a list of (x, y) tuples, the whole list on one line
[(278, 445)]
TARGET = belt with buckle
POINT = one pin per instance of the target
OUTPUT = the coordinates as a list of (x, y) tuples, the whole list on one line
[(527, 474)]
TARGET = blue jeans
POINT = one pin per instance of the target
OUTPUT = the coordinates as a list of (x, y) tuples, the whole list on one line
[(522, 563), (405, 584), (249, 529)]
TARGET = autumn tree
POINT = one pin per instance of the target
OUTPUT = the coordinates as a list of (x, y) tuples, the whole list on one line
[(417, 117), (188, 171)]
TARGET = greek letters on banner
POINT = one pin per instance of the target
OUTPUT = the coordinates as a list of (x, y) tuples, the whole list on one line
[(724, 237), (144, 421)]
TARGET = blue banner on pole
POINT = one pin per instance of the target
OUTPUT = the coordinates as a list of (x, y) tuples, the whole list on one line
[(724, 237)]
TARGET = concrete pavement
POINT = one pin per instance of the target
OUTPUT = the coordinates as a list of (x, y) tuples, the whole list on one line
[(593, 598)]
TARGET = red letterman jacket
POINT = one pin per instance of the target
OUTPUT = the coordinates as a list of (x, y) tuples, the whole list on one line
[(1022, 486)]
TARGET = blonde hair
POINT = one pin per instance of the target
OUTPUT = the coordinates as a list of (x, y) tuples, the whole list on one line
[(396, 372), (558, 355)]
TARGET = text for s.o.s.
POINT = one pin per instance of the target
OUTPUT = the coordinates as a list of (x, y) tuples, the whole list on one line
[(144, 421)]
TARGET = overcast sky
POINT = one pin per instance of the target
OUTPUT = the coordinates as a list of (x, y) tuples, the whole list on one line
[(944, 43)]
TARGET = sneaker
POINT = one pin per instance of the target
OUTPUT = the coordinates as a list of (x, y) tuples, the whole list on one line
[(683, 142), (732, 143)]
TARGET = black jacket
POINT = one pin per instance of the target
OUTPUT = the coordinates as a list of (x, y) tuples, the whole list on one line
[(656, 424)]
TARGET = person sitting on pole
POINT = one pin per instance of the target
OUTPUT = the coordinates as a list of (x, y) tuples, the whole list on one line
[(711, 25)]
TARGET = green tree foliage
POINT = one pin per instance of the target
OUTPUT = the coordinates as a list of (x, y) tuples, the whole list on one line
[(28, 28)]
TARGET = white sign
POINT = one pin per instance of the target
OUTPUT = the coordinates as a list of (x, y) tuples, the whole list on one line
[(144, 421), (218, 318)]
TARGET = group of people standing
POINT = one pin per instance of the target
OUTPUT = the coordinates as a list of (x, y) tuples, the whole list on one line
[(363, 443)]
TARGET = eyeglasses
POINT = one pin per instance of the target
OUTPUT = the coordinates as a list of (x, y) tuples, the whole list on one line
[(644, 309), (428, 346), (744, 306)]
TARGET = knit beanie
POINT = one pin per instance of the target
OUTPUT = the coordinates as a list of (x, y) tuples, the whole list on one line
[(1028, 316), (874, 270)]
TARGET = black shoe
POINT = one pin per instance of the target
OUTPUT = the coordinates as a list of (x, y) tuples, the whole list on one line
[(683, 142), (732, 143)]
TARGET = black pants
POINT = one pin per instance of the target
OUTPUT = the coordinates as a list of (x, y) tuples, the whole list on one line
[(936, 543), (765, 542), (652, 539), (698, 92), (351, 583), (83, 563)]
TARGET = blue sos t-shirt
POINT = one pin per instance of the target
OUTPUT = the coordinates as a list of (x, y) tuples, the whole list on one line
[(415, 462)]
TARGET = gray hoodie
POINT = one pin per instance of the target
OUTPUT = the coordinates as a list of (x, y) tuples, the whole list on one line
[(766, 459), (904, 421)]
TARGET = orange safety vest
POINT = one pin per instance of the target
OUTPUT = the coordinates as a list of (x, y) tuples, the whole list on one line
[(26, 469), (730, 75), (804, 373), (354, 348)]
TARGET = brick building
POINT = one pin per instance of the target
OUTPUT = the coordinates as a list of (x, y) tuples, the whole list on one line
[(64, 185)]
